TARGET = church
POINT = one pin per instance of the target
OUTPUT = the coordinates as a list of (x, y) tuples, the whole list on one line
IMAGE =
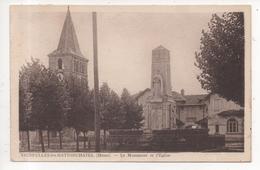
[(67, 60)]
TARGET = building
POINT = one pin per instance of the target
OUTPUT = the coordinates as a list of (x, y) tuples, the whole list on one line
[(192, 110), (225, 118), (67, 60)]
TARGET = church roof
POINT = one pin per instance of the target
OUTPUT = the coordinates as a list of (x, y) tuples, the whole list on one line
[(68, 43)]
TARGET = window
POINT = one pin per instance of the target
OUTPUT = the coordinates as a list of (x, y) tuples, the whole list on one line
[(216, 128), (59, 63), (232, 126)]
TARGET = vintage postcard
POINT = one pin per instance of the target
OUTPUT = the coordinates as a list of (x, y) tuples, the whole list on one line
[(130, 83)]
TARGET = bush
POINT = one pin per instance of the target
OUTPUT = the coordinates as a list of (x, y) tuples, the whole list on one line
[(180, 139), (126, 139)]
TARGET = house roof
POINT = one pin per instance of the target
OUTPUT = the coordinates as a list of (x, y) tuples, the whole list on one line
[(179, 122), (239, 113), (177, 96), (68, 43), (188, 99), (137, 95), (194, 99), (202, 121)]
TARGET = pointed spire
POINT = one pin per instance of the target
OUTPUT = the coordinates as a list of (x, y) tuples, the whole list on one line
[(68, 43)]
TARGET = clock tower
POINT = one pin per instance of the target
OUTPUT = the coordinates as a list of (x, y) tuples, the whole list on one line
[(67, 60)]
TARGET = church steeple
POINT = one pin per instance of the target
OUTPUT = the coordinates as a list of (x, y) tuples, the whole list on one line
[(68, 43), (67, 59)]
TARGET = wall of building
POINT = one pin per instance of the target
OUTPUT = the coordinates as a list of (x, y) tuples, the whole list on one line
[(222, 123), (217, 104), (143, 101), (189, 114)]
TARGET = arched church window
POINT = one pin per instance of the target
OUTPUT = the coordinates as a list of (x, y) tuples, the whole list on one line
[(232, 125), (59, 63)]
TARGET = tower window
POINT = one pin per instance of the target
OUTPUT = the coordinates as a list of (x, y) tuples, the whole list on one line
[(59, 63), (83, 67), (76, 66)]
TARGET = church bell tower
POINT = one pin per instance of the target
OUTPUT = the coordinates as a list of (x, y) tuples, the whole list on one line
[(67, 60)]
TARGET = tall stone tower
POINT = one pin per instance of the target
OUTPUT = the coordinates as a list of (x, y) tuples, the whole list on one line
[(161, 105), (67, 60)]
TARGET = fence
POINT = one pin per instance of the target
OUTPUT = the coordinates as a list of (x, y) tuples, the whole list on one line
[(136, 140)]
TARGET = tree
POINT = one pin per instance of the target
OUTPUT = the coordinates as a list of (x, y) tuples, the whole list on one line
[(56, 96), (110, 110), (104, 104), (133, 111), (81, 114), (30, 76), (221, 57), (47, 97), (88, 114), (24, 105)]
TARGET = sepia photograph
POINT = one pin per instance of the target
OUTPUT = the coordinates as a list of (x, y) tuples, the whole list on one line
[(130, 83)]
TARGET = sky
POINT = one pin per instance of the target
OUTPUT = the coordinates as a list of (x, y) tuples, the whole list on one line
[(125, 43)]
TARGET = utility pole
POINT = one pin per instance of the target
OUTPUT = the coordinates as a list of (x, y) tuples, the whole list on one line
[(96, 86)]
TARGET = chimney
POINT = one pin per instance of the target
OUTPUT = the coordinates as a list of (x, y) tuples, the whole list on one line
[(182, 92)]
